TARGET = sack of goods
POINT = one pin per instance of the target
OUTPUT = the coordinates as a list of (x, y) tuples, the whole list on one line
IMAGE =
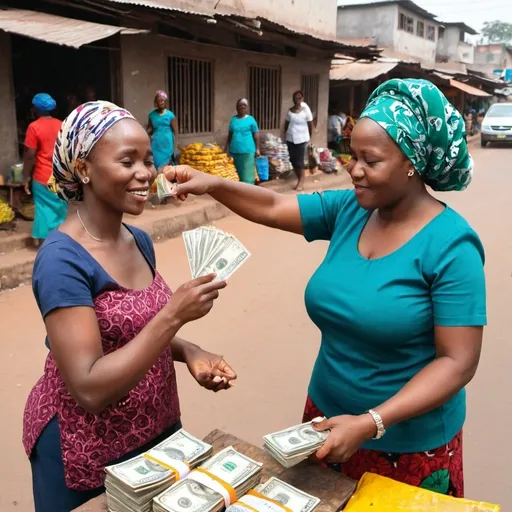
[(275, 496), (209, 158), (132, 485), (277, 152), (213, 486), (295, 444)]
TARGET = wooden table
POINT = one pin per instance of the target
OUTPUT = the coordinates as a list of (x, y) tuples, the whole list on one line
[(332, 488)]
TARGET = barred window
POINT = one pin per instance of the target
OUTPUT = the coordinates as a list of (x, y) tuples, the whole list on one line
[(406, 23), (310, 89), (265, 96), (191, 94)]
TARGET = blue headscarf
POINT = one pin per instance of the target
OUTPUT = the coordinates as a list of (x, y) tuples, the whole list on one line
[(44, 102)]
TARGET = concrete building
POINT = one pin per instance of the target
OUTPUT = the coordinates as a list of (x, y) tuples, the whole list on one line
[(454, 44), (205, 57), (399, 25), (493, 59)]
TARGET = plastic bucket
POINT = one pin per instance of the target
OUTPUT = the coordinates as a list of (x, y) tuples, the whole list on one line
[(262, 168)]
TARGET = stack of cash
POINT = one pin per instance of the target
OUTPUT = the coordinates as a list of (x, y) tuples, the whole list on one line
[(132, 485), (211, 251), (280, 492), (190, 495), (164, 188), (295, 444)]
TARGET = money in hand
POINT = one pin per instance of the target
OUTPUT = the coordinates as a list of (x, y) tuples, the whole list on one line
[(280, 492), (239, 471), (211, 251), (131, 485), (164, 188), (295, 444)]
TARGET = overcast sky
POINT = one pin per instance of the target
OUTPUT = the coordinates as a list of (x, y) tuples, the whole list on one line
[(471, 12)]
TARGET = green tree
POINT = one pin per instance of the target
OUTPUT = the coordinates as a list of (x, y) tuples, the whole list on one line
[(497, 31)]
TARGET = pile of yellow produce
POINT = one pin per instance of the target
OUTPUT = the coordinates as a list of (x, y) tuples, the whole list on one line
[(6, 213), (209, 158), (377, 493)]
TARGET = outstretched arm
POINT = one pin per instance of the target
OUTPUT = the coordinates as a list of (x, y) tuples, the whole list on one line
[(256, 204)]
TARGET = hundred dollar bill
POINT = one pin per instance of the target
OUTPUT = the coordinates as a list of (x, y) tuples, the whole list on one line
[(181, 446), (188, 496), (139, 472), (297, 439), (228, 258), (293, 498), (164, 188)]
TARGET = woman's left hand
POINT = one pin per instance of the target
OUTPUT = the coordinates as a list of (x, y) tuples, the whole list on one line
[(210, 370), (347, 435)]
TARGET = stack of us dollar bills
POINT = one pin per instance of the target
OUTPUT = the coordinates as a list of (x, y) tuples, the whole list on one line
[(295, 444), (132, 485), (199, 491), (211, 251), (276, 491)]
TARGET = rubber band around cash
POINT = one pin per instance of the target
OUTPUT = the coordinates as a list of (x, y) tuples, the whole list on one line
[(257, 502), (202, 476), (180, 469)]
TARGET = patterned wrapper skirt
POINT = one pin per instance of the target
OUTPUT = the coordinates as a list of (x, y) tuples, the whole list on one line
[(50, 211), (438, 470), (245, 164)]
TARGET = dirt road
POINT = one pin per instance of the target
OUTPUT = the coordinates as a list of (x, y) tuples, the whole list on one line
[(261, 327)]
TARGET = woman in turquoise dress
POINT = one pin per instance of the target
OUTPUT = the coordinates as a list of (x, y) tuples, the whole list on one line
[(162, 127), (243, 142)]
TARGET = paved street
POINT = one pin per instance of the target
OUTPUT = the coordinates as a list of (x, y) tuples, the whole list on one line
[(261, 327)]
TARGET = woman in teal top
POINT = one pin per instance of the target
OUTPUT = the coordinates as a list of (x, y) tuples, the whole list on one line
[(400, 296), (162, 128), (243, 142)]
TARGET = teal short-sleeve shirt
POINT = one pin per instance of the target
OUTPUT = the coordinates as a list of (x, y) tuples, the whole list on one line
[(377, 316)]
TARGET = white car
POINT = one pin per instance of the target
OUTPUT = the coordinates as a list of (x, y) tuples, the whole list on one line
[(497, 124)]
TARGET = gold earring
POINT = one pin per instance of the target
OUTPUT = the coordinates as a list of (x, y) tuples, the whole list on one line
[(410, 173)]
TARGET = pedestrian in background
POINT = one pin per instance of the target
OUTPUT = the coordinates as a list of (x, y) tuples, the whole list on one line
[(298, 128), (400, 297), (50, 210), (243, 142), (163, 130)]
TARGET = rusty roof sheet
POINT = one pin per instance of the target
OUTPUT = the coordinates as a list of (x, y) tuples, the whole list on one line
[(57, 29), (212, 8), (360, 71)]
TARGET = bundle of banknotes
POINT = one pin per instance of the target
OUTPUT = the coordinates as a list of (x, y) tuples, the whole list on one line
[(277, 491), (164, 188), (211, 251), (132, 485), (197, 494), (295, 444)]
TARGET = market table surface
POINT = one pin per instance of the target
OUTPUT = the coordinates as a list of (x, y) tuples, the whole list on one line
[(332, 488)]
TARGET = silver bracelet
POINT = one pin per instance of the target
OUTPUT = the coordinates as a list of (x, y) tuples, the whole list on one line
[(378, 422)]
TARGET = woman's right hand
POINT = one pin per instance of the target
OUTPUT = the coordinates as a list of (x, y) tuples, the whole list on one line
[(194, 299), (189, 181)]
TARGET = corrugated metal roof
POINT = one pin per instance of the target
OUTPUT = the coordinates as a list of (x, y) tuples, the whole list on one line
[(360, 71), (468, 89), (57, 29), (237, 8)]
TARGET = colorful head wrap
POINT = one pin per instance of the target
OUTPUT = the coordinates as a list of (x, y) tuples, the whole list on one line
[(44, 102), (80, 132), (161, 94), (427, 128)]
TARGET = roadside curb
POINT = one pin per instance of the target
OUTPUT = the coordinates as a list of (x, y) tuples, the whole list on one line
[(16, 266)]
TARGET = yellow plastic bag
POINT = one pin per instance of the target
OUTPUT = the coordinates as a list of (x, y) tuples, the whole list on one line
[(377, 493)]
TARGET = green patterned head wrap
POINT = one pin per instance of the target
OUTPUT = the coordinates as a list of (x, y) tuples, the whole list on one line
[(427, 128)]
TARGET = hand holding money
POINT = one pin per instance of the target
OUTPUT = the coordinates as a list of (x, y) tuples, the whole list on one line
[(186, 180), (194, 299), (346, 435), (295, 444)]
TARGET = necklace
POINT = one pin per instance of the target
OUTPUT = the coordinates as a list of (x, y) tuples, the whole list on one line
[(85, 229)]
